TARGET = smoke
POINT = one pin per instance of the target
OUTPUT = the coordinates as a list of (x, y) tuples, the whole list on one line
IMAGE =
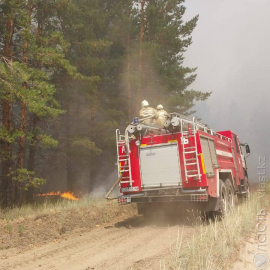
[(104, 182), (231, 49)]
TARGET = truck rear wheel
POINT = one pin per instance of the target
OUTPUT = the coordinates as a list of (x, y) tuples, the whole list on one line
[(223, 200), (230, 194), (144, 209)]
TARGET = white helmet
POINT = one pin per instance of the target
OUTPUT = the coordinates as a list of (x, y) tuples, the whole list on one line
[(145, 104), (160, 107)]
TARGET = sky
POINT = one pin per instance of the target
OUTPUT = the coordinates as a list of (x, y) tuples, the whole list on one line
[(231, 48)]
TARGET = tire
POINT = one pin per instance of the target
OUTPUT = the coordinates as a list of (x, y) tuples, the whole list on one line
[(141, 208), (223, 199), (144, 209), (247, 189), (246, 195), (230, 194)]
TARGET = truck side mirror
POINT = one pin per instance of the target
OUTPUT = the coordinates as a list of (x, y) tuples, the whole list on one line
[(247, 149)]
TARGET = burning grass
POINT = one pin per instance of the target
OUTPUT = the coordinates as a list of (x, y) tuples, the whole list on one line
[(34, 225), (66, 195), (216, 245)]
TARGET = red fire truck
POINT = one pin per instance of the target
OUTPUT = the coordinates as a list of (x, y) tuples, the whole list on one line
[(185, 161)]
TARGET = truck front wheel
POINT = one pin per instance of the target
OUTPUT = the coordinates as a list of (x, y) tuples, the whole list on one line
[(246, 190)]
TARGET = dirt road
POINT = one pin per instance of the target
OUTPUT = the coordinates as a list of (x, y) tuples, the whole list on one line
[(132, 244)]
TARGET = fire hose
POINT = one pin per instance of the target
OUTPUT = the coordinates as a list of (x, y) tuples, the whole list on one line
[(112, 188)]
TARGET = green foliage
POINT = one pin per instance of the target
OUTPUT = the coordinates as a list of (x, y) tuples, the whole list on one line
[(87, 144), (39, 97), (27, 178), (162, 77), (9, 136), (80, 68), (46, 141)]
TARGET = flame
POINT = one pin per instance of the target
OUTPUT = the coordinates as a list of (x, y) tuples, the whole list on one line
[(69, 196), (65, 195)]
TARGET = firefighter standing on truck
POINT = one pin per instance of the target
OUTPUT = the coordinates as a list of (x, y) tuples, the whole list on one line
[(161, 116), (147, 113)]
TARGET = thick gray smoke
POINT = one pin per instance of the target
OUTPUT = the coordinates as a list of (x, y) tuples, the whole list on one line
[(231, 47)]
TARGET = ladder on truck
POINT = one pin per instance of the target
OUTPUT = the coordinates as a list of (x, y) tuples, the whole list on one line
[(192, 161), (123, 169)]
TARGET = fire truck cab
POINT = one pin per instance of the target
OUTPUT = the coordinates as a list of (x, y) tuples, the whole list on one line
[(183, 162)]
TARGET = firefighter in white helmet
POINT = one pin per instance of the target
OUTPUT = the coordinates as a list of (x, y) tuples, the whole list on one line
[(147, 113), (161, 116)]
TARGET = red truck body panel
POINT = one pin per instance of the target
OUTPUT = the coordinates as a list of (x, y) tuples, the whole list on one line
[(226, 152)]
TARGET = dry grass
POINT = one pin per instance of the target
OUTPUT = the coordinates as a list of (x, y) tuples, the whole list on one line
[(215, 245), (48, 207), (35, 225)]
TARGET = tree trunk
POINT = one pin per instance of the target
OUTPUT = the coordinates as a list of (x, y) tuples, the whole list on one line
[(130, 112), (21, 149), (32, 157), (139, 93), (22, 140), (6, 159), (128, 83), (69, 165)]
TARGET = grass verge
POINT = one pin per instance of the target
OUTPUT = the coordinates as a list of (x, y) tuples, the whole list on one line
[(215, 245), (49, 207), (34, 225)]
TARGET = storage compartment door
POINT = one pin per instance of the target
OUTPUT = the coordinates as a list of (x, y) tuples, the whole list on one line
[(160, 166), (207, 157)]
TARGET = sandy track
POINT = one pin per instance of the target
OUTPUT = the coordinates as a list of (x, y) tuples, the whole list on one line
[(132, 244)]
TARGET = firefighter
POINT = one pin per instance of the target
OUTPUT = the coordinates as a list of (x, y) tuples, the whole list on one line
[(161, 116), (147, 113)]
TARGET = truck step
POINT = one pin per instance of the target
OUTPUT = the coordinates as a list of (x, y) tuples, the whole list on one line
[(192, 171), (124, 182), (191, 147), (120, 160), (194, 163), (187, 132), (189, 152), (121, 171), (194, 175), (186, 135), (190, 159)]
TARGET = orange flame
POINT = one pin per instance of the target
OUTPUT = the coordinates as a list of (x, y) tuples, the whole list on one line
[(69, 196), (65, 195)]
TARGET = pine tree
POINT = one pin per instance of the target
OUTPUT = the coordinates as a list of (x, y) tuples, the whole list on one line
[(30, 58), (73, 71), (8, 19), (162, 40), (92, 107)]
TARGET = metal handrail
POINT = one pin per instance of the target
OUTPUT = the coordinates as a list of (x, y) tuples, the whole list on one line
[(117, 140), (188, 121), (201, 125), (195, 139)]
